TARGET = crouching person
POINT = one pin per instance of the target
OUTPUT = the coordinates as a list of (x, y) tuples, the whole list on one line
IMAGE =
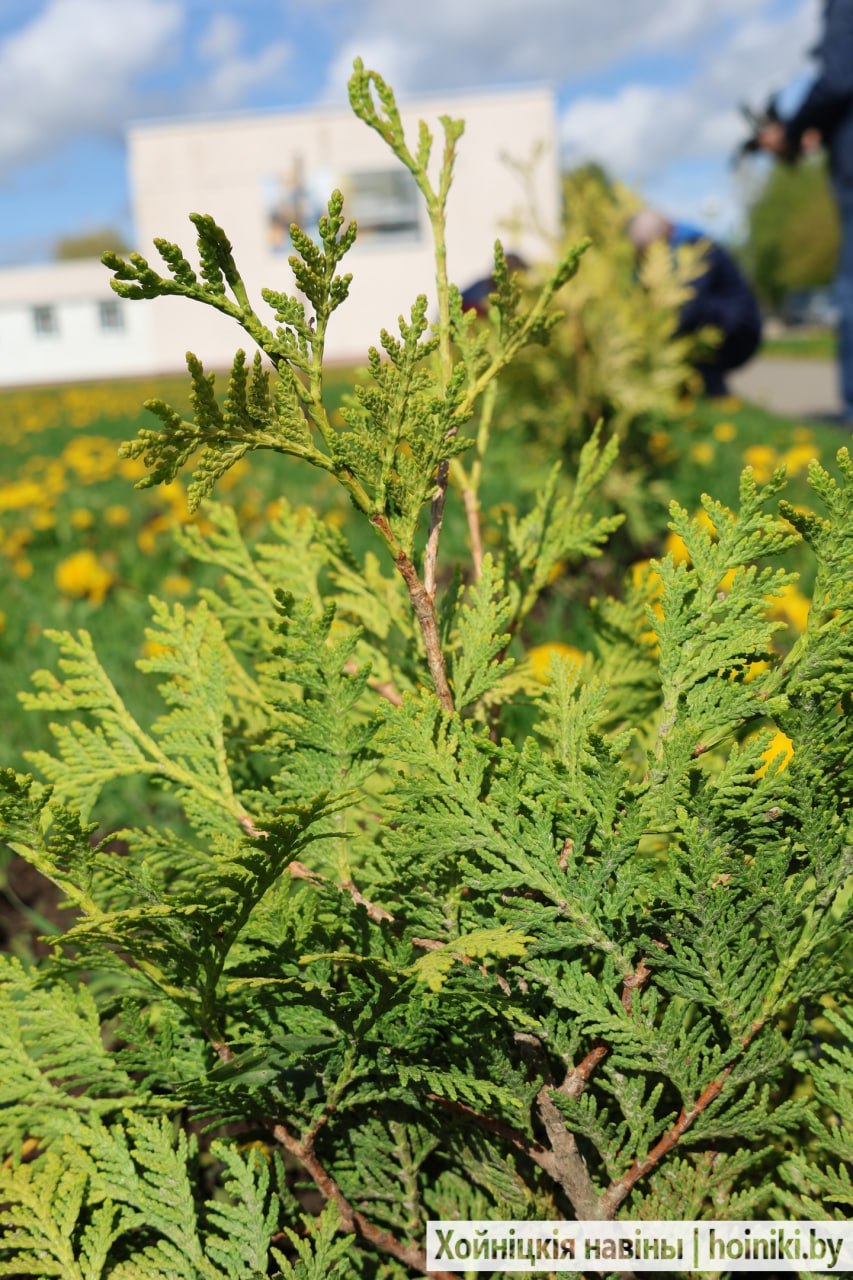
[(721, 297)]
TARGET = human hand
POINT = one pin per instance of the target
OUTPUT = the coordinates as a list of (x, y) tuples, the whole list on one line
[(772, 137)]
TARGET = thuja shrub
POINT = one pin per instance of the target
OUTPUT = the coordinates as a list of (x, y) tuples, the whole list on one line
[(615, 355), (401, 957)]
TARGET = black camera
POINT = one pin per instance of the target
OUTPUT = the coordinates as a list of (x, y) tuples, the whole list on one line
[(757, 120)]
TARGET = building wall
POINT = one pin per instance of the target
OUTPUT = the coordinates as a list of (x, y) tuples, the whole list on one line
[(255, 174), (237, 169), (52, 327)]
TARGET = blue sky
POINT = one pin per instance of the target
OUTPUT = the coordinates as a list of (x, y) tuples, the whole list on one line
[(648, 87)]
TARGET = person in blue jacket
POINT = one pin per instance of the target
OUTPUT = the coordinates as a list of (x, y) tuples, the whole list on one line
[(827, 110), (721, 297)]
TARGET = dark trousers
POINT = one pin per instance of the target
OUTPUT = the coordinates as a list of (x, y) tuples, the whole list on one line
[(844, 294), (735, 350)]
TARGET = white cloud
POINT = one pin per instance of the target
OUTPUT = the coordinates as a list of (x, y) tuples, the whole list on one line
[(233, 73), (460, 43), (231, 78), (640, 130), (634, 133), (73, 70), (222, 36)]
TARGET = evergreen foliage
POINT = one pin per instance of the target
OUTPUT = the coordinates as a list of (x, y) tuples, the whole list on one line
[(428, 937), (614, 356)]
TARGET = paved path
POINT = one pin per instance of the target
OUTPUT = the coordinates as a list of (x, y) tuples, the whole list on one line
[(794, 388)]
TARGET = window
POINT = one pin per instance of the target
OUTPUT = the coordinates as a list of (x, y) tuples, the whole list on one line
[(45, 321), (111, 316), (385, 204)]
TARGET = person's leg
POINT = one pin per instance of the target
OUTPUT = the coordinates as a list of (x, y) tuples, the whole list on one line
[(844, 295), (714, 379)]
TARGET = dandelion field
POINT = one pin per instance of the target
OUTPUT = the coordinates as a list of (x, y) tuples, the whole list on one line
[(74, 537)]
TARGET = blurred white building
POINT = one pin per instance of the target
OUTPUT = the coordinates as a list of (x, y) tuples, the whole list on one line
[(258, 173)]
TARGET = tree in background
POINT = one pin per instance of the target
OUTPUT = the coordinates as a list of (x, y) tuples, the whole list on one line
[(792, 241), (89, 244)]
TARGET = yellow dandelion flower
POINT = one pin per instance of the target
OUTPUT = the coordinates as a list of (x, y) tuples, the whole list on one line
[(798, 458), (676, 547), (93, 458), (660, 447), (16, 540), (781, 745), (727, 581), (54, 477), (44, 518), (763, 461), (335, 518), (154, 649), (175, 495), (702, 451), (146, 539), (22, 567), (791, 606), (751, 671), (82, 576), (704, 521), (646, 579), (20, 494), (81, 518), (803, 435), (116, 516), (724, 432), (176, 584), (233, 475), (2, 622), (131, 468), (540, 657)]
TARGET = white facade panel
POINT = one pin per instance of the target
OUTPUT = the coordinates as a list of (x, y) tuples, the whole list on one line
[(63, 323), (256, 174)]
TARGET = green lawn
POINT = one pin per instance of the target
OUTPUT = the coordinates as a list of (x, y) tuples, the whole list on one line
[(814, 345), (80, 548)]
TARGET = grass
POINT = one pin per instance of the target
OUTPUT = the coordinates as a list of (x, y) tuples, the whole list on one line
[(811, 344), (79, 549)]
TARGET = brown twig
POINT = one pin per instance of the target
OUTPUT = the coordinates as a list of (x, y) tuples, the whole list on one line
[(436, 516), (422, 603), (632, 983), (385, 688), (352, 1220), (298, 871), (569, 1168), (250, 829), (529, 1146), (566, 1166), (375, 912), (621, 1188), (562, 1162), (577, 1077)]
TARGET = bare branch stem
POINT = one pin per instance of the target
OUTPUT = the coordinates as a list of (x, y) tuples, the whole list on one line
[(621, 1188), (352, 1220), (422, 603)]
